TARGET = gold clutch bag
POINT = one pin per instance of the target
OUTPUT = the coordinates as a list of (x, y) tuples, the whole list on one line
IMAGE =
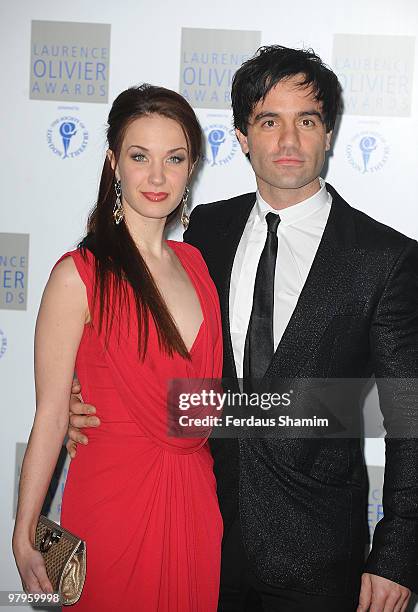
[(65, 559)]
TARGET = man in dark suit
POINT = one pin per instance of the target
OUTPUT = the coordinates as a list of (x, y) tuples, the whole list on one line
[(312, 288)]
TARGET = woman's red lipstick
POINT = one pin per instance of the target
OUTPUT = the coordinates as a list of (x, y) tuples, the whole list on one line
[(154, 196)]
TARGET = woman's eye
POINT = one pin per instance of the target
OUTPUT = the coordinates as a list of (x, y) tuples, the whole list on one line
[(139, 157), (175, 159)]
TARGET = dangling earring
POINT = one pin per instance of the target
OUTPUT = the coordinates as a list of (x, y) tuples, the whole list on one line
[(117, 209), (184, 215)]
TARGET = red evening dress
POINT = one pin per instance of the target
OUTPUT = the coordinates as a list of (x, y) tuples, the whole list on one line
[(144, 502)]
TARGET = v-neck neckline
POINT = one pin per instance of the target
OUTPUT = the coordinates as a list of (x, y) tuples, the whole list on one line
[(187, 268)]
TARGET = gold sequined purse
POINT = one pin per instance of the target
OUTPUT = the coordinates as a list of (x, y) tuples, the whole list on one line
[(65, 559)]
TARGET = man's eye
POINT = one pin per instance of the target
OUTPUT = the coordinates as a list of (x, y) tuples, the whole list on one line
[(307, 122), (269, 123)]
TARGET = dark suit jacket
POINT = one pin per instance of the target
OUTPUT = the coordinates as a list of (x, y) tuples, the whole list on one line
[(303, 502)]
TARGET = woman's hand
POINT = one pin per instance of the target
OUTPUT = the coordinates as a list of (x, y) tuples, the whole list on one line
[(31, 568)]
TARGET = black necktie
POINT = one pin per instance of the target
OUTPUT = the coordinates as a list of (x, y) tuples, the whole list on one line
[(259, 342)]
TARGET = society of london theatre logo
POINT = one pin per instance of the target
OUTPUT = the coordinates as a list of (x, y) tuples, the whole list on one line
[(3, 343), (367, 152), (221, 144), (67, 137)]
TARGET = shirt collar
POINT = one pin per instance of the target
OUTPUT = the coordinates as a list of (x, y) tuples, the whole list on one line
[(292, 215)]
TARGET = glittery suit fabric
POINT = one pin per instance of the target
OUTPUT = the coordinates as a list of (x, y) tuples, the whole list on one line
[(303, 502)]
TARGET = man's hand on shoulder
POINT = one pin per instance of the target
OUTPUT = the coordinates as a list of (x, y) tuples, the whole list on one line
[(379, 594), (81, 416)]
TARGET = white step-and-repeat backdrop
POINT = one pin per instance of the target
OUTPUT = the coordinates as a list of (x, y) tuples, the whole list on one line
[(63, 64)]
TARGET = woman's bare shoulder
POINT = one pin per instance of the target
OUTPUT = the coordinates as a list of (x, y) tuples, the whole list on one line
[(65, 274)]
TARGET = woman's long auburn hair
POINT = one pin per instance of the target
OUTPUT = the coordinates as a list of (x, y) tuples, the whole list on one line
[(118, 263)]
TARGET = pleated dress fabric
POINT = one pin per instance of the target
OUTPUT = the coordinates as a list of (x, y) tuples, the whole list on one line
[(145, 502)]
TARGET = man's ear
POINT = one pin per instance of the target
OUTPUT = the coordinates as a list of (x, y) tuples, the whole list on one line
[(112, 160), (328, 137), (243, 141)]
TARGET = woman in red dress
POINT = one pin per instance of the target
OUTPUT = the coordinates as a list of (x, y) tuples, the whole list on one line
[(130, 311)]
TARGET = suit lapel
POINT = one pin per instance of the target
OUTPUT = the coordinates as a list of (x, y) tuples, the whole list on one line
[(329, 282), (230, 237)]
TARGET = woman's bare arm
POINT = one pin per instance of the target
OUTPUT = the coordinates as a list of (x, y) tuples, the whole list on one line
[(61, 319)]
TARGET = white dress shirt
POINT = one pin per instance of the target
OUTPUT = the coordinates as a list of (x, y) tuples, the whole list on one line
[(299, 234)]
